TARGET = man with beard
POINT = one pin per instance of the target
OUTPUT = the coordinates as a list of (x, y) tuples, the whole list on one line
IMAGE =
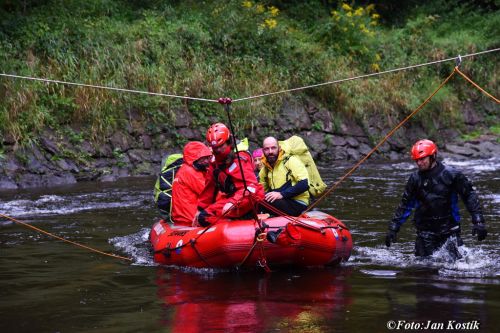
[(285, 179), (189, 181), (433, 192)]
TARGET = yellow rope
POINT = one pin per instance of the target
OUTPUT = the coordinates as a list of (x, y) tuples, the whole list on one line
[(477, 86), (64, 239), (337, 183)]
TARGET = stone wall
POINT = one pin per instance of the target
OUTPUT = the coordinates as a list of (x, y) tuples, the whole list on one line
[(56, 160)]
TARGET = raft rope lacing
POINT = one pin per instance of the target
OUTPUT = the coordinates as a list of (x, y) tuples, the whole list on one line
[(226, 102)]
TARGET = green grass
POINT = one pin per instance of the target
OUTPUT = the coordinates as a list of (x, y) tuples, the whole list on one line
[(213, 49), (495, 129)]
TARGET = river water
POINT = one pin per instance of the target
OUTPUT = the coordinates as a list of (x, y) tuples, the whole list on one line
[(50, 286)]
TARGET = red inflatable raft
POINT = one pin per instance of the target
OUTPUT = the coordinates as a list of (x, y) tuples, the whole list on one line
[(313, 240)]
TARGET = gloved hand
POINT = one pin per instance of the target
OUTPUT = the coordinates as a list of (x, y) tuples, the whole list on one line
[(479, 229), (390, 237), (200, 219)]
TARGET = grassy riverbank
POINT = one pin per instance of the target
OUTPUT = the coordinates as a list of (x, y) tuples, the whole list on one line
[(211, 49)]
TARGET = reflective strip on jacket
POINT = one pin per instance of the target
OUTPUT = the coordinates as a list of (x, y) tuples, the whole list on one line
[(229, 184)]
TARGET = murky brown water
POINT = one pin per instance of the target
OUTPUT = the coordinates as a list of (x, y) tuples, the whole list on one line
[(50, 286)]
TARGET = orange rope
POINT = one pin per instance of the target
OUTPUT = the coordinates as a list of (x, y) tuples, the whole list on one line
[(64, 239), (477, 86), (337, 183)]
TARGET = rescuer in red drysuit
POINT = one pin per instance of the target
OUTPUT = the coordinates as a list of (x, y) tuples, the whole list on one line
[(189, 182), (225, 194)]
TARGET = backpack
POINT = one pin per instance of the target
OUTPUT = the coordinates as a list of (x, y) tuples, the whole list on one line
[(295, 146), (163, 185)]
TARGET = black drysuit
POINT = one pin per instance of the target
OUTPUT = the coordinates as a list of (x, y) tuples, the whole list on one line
[(434, 196)]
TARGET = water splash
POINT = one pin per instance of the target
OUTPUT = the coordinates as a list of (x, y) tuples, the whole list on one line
[(477, 262), (136, 246)]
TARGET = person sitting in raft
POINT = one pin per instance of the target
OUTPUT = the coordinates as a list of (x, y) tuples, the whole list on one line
[(225, 194), (257, 161), (189, 181), (285, 180)]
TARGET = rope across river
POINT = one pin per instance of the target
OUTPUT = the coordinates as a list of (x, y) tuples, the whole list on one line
[(209, 100)]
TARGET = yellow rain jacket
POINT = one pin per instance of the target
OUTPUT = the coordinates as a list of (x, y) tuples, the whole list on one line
[(287, 168)]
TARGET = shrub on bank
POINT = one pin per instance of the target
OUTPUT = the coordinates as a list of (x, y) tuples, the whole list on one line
[(236, 48)]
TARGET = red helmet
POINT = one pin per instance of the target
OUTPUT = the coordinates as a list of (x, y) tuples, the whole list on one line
[(423, 148), (217, 134)]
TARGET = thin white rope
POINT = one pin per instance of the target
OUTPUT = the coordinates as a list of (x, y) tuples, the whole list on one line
[(363, 76), (250, 97), (107, 88)]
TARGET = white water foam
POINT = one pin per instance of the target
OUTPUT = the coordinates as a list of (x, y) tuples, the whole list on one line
[(55, 205), (136, 246), (478, 262)]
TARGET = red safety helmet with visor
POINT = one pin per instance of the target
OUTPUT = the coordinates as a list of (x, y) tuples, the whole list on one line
[(423, 148), (218, 134)]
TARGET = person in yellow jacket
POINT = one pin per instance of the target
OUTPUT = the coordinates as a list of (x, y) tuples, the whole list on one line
[(285, 179)]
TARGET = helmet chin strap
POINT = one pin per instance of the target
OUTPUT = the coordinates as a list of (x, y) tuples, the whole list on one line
[(222, 156), (433, 159)]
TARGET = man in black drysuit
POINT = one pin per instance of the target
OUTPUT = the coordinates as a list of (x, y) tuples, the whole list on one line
[(433, 192)]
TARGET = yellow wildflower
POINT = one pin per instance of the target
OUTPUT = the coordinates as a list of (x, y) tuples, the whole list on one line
[(346, 7), (377, 57), (358, 12), (247, 4), (369, 8), (374, 23), (375, 16), (376, 67), (260, 8), (349, 14), (271, 23), (274, 11), (362, 26)]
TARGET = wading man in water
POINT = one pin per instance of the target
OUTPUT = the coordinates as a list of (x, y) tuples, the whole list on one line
[(433, 192)]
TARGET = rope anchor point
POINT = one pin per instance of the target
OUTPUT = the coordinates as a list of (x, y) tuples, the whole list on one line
[(225, 100)]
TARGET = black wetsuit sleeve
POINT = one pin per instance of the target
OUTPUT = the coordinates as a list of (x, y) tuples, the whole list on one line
[(408, 202), (465, 189)]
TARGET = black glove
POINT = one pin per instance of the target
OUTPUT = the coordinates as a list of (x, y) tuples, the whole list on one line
[(391, 233), (480, 230), (202, 218), (272, 236)]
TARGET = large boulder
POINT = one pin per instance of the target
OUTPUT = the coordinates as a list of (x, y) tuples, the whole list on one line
[(293, 117), (121, 141), (460, 150)]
